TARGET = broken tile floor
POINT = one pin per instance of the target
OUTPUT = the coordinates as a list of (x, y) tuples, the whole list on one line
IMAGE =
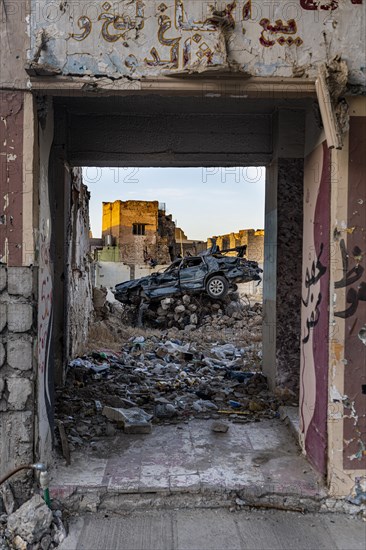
[(191, 458)]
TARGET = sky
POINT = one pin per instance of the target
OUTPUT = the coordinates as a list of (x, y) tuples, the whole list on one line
[(203, 201)]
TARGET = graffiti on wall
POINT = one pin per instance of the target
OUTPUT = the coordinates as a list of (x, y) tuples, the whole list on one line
[(314, 314), (319, 5), (350, 277), (189, 33), (312, 277), (351, 316)]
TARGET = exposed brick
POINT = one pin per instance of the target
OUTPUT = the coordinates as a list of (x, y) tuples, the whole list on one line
[(2, 354), (20, 281), (3, 316), (19, 391), (20, 317), (19, 351), (3, 277)]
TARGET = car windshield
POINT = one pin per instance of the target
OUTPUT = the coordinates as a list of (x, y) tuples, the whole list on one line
[(173, 266)]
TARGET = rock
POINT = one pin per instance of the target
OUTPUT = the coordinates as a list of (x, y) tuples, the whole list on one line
[(134, 420), (180, 309), (46, 542), (219, 427), (8, 498), (19, 543), (31, 520), (193, 319), (186, 300), (255, 406), (58, 530)]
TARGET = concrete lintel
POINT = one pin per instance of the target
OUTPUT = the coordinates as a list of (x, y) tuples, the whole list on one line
[(234, 85)]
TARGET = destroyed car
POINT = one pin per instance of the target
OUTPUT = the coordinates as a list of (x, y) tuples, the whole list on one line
[(214, 274)]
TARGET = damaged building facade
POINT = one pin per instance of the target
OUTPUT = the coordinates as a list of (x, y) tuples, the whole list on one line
[(251, 238), (273, 84), (140, 231)]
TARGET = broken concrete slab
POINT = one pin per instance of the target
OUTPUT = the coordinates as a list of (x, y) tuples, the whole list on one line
[(31, 520), (134, 420)]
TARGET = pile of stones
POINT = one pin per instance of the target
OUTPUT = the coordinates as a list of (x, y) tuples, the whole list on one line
[(31, 526), (187, 312)]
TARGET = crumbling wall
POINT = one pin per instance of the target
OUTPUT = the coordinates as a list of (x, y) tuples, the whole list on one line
[(135, 249), (156, 241), (17, 366), (166, 249), (347, 361), (80, 295), (252, 239), (289, 262), (18, 293), (274, 38)]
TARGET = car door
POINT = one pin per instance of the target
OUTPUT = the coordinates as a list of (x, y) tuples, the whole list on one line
[(192, 273), (161, 285)]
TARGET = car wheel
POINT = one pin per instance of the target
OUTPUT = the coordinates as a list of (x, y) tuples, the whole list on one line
[(217, 287)]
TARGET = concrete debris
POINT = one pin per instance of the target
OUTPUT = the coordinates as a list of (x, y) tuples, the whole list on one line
[(166, 377), (134, 420), (33, 526), (31, 520), (8, 498), (219, 427)]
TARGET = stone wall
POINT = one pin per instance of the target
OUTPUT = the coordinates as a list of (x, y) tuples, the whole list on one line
[(80, 294), (289, 271), (17, 366)]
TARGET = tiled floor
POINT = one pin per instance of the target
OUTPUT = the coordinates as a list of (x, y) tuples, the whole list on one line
[(191, 457)]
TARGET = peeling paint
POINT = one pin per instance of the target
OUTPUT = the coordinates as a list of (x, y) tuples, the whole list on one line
[(193, 35)]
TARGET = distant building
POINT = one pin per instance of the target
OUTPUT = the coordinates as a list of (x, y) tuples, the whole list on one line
[(186, 246), (253, 239), (137, 232)]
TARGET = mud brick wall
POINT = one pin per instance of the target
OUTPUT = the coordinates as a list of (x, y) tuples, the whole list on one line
[(289, 271), (17, 376)]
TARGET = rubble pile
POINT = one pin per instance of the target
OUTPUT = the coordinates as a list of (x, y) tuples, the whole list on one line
[(167, 376), (32, 526), (190, 311)]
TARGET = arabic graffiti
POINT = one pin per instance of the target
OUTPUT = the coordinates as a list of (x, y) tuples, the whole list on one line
[(279, 27), (164, 25), (318, 5), (311, 278), (111, 22), (247, 10), (351, 276), (199, 44)]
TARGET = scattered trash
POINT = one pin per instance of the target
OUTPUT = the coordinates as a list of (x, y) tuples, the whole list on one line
[(135, 378)]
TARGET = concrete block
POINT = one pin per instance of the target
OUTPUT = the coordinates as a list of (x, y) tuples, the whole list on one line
[(3, 278), (20, 281), (19, 351), (20, 317), (16, 439), (2, 354), (19, 391), (31, 521)]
